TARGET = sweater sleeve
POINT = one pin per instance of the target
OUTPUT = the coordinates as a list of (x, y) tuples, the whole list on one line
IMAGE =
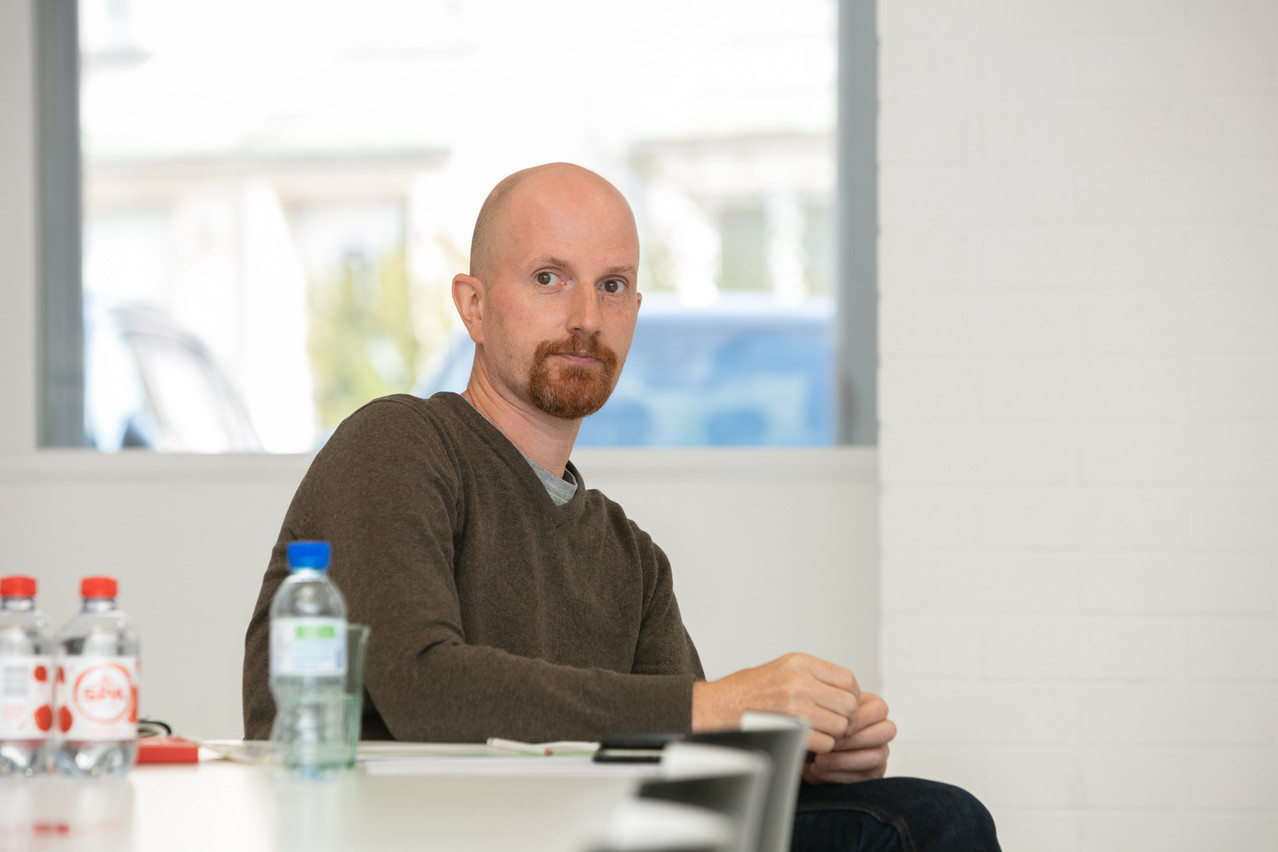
[(664, 646), (386, 492)]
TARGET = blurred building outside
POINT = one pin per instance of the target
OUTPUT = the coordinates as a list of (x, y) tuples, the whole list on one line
[(295, 185)]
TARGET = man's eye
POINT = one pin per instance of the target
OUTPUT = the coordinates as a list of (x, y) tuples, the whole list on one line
[(614, 285), (546, 278)]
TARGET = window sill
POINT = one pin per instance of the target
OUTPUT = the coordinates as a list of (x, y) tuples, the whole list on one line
[(807, 463)]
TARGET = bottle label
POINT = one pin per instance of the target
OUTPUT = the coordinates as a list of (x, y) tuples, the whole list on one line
[(313, 647), (26, 697), (98, 698)]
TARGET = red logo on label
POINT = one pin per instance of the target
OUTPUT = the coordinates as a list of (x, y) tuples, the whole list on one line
[(44, 717), (104, 694)]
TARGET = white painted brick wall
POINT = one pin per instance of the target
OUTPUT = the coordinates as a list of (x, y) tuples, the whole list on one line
[(1079, 405)]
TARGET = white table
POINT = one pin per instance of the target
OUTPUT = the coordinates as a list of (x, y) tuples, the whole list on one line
[(234, 808)]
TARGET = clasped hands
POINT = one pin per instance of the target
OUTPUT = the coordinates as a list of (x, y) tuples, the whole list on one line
[(849, 729)]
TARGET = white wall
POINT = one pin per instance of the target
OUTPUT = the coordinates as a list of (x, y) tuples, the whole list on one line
[(773, 551), (1079, 401), (17, 228), (766, 560)]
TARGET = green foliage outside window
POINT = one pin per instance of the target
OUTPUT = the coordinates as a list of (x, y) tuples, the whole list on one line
[(363, 340)]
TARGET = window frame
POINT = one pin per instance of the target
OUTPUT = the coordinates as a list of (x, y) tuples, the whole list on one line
[(60, 324), (59, 373)]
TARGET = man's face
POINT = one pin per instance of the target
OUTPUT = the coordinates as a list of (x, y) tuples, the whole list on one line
[(561, 298)]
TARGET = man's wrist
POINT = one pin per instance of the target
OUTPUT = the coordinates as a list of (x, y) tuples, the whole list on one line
[(708, 710)]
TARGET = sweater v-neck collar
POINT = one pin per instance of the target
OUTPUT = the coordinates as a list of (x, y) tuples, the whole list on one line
[(522, 465)]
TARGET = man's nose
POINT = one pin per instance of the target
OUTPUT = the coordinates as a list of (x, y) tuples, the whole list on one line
[(584, 313)]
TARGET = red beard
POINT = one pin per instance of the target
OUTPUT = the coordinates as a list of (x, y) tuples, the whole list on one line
[(570, 391)]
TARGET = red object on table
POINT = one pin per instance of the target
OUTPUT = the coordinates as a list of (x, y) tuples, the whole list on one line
[(167, 750)]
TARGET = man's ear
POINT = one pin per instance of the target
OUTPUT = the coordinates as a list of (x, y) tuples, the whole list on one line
[(468, 296)]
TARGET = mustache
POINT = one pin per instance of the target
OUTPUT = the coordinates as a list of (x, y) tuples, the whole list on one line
[(577, 344)]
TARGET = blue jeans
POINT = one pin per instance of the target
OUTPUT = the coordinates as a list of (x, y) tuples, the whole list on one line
[(907, 814)]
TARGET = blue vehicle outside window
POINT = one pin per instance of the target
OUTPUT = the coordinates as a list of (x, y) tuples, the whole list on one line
[(720, 377)]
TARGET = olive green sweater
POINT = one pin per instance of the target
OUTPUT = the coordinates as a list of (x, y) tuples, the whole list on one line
[(494, 612)]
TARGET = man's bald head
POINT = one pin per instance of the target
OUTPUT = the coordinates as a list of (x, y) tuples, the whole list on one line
[(493, 219)]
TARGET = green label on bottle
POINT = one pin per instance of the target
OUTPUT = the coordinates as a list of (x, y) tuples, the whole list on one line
[(315, 631), (308, 646)]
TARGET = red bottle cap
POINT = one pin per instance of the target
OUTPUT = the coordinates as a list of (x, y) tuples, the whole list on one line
[(98, 587), (18, 587)]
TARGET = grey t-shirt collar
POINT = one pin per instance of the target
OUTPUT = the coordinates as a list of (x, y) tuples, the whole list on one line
[(560, 489)]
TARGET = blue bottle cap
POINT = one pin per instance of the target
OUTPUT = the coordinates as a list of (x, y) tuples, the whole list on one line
[(308, 554)]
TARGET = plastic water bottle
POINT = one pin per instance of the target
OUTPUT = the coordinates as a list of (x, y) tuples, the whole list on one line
[(27, 643), (308, 664), (98, 686)]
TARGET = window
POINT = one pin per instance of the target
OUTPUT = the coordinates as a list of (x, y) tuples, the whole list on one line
[(290, 200)]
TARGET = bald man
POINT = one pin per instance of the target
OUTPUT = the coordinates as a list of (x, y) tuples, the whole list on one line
[(505, 598)]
